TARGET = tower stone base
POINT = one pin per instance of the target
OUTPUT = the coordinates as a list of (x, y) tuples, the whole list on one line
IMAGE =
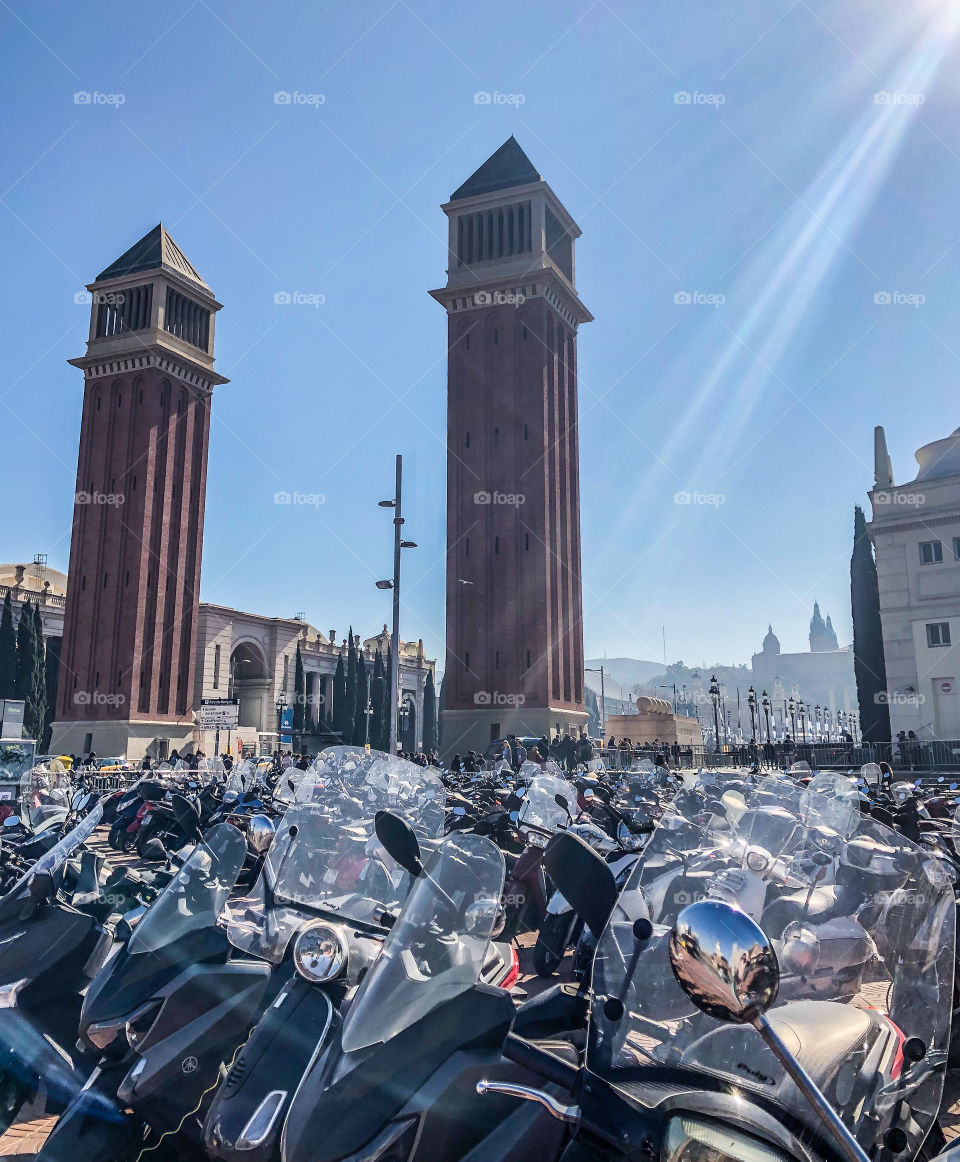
[(465, 730), (134, 740)]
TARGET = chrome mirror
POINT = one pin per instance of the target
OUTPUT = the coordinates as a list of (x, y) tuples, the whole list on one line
[(723, 961), (260, 833)]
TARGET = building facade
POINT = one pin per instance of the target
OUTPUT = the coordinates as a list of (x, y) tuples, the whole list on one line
[(915, 530), (42, 586), (514, 660), (130, 628), (823, 676)]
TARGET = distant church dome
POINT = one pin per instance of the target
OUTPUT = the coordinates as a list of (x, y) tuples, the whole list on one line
[(771, 643)]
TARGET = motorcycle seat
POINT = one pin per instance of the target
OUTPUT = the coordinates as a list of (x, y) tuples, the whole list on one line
[(826, 903)]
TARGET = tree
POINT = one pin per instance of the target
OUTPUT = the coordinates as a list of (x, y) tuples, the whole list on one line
[(51, 677), (361, 718), (38, 689), (8, 650), (350, 713), (339, 700), (429, 714), (378, 687), (869, 664), (299, 696), (26, 654), (593, 712)]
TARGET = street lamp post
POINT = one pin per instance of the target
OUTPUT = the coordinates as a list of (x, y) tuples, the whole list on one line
[(281, 706), (802, 712), (670, 686), (752, 703), (394, 584), (792, 707), (367, 710), (715, 698), (766, 711)]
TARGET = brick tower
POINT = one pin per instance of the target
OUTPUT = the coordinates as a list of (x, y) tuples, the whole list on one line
[(127, 667), (514, 661)]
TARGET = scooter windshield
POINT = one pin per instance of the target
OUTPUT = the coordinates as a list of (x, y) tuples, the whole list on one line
[(326, 854), (540, 807), (863, 930), (197, 894), (437, 947), (45, 794)]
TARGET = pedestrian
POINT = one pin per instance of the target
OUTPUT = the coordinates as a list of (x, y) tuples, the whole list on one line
[(675, 751)]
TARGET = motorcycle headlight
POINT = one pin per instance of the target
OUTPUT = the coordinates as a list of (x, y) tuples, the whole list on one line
[(140, 1022), (320, 953), (691, 1139), (627, 840)]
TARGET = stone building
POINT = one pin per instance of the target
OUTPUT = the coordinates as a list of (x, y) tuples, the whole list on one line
[(915, 529), (40, 585), (514, 660), (654, 722)]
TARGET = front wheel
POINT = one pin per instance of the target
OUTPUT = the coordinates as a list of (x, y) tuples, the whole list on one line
[(552, 943)]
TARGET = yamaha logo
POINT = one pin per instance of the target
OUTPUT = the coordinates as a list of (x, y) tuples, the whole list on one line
[(189, 1064)]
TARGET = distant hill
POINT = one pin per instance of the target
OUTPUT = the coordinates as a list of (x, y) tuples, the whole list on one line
[(626, 672)]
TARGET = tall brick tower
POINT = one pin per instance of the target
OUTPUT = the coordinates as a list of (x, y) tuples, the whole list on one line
[(127, 666), (514, 662)]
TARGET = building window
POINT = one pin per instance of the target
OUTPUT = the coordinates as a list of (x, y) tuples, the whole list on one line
[(956, 548), (466, 661), (466, 440), (526, 432), (466, 547), (526, 542), (216, 667), (528, 659), (187, 320), (931, 552), (496, 544), (496, 659), (938, 633), (286, 670)]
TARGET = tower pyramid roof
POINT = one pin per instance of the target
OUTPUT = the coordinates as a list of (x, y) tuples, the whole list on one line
[(155, 251), (508, 166)]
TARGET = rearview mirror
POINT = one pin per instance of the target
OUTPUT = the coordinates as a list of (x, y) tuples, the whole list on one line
[(398, 837)]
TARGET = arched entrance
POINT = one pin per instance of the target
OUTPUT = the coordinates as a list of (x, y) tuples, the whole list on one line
[(250, 684)]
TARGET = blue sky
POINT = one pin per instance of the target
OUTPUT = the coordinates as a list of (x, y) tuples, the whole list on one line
[(814, 167)]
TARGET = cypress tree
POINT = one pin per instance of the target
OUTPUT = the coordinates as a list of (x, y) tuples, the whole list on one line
[(350, 712), (378, 686), (26, 655), (339, 700), (429, 714), (51, 677), (869, 664), (360, 721), (38, 689), (299, 696), (8, 650)]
